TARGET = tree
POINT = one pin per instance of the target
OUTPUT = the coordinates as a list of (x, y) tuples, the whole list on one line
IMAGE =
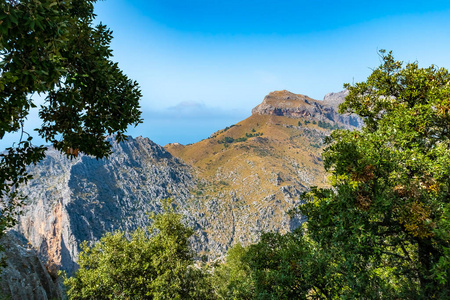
[(285, 267), (386, 216), (51, 47), (231, 278), (279, 266), (155, 267)]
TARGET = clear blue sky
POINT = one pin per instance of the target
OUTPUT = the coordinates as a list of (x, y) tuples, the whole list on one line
[(204, 64)]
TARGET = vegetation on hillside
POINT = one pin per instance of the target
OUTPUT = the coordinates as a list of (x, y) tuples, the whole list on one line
[(327, 125), (229, 140)]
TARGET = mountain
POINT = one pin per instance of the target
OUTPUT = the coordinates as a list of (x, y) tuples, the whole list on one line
[(70, 201), (255, 171), (287, 104), (234, 185)]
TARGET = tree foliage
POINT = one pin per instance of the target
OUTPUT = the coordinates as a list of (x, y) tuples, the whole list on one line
[(279, 266), (231, 278), (52, 48), (382, 230), (156, 267), (386, 215)]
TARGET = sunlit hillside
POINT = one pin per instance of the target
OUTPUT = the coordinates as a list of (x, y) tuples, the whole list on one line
[(257, 169)]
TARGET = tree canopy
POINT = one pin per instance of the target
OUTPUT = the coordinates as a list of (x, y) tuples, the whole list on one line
[(386, 215), (142, 267), (52, 48)]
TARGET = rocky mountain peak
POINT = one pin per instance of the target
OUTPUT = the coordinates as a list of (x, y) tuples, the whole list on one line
[(288, 104), (334, 99), (281, 102), (285, 95)]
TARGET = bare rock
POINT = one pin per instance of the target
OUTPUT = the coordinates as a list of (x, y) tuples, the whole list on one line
[(25, 276), (285, 103), (334, 99)]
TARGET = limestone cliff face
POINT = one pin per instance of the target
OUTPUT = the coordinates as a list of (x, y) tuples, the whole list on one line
[(75, 200), (334, 99), (285, 103), (25, 276)]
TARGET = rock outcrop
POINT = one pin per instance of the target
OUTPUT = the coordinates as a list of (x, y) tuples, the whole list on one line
[(334, 99), (287, 104), (25, 276)]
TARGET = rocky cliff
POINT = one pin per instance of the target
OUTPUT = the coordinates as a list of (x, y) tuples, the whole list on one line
[(25, 276), (70, 201), (287, 104)]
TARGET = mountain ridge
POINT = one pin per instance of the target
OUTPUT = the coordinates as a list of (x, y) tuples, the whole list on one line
[(81, 199), (288, 104)]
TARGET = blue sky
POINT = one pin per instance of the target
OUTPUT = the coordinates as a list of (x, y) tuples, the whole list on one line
[(204, 64)]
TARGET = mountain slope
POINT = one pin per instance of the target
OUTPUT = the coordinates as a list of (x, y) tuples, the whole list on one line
[(24, 275), (256, 170)]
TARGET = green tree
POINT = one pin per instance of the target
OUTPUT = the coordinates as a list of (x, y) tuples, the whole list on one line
[(386, 217), (156, 267), (231, 279), (52, 48), (284, 267), (279, 266)]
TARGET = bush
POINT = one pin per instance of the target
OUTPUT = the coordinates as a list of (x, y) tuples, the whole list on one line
[(155, 267)]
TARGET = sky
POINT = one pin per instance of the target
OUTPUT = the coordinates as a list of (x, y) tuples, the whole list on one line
[(203, 65)]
